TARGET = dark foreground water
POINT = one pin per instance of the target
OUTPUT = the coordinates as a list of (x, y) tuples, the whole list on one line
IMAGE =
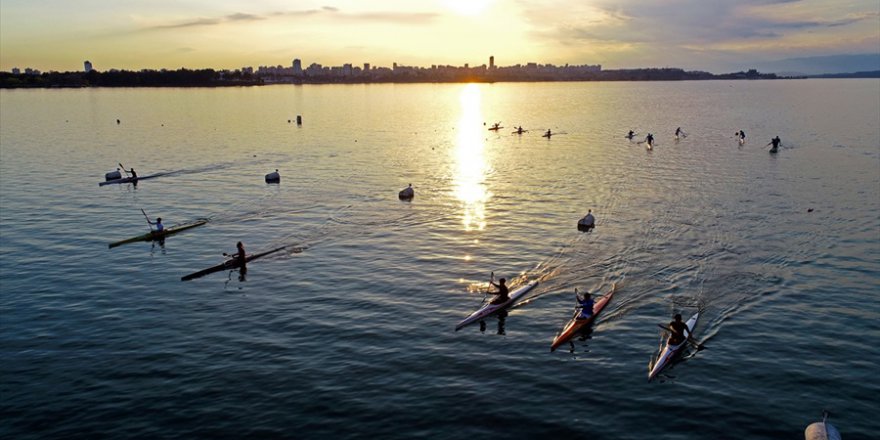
[(351, 335)]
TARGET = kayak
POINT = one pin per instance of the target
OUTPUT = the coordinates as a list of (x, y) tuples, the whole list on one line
[(490, 309), (154, 235), (670, 351), (495, 128), (575, 324), (228, 264), (130, 179)]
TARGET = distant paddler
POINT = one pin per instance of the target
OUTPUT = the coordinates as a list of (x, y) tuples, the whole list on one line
[(495, 127), (519, 130), (586, 305), (776, 142), (548, 134), (649, 140), (160, 228), (503, 292), (680, 133), (741, 136), (407, 193), (240, 257), (630, 135)]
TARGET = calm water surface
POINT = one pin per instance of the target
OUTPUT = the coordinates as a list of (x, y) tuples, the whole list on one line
[(353, 336)]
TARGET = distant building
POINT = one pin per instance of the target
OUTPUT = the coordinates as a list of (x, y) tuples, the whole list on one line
[(297, 67), (87, 66), (492, 62)]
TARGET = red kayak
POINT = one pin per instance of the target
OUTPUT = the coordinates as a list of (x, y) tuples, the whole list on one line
[(576, 324)]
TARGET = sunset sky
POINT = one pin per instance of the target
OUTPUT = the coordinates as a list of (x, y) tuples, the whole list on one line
[(713, 35)]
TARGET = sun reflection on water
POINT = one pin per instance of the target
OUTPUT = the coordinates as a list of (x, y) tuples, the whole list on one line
[(470, 188)]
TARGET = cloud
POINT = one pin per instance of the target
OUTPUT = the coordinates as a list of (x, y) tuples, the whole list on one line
[(413, 18)]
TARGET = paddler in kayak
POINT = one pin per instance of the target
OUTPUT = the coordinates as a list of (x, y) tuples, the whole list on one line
[(586, 305), (158, 223), (677, 330), (630, 135), (649, 139), (134, 175), (503, 292), (519, 130), (775, 142), (548, 133), (239, 257)]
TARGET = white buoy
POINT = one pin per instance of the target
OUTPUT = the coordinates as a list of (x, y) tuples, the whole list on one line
[(407, 193), (822, 430), (273, 177)]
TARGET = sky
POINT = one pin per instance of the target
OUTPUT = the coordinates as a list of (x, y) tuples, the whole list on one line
[(713, 35)]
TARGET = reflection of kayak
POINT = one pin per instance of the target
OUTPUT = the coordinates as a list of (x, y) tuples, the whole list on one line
[(130, 179), (670, 351), (228, 264), (159, 235), (576, 324), (490, 309)]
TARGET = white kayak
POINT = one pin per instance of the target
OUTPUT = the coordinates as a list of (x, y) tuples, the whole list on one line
[(670, 351), (490, 309)]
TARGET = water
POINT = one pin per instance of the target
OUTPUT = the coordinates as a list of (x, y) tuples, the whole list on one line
[(353, 336)]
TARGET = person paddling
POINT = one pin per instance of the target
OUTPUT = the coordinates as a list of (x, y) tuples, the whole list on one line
[(134, 175), (775, 142), (548, 133), (678, 132), (742, 136), (586, 305), (588, 221), (649, 139), (158, 223), (678, 331), (630, 135), (503, 293), (240, 256)]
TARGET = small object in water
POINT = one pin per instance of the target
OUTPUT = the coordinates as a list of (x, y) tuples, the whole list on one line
[(299, 120), (588, 222), (407, 193), (273, 177), (118, 122), (810, 210), (288, 121)]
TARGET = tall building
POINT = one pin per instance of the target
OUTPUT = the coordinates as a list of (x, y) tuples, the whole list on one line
[(492, 62), (87, 66), (297, 67)]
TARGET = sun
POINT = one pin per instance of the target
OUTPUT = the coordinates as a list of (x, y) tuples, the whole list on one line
[(470, 8)]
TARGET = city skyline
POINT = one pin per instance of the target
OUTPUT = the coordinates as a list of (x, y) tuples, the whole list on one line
[(690, 34)]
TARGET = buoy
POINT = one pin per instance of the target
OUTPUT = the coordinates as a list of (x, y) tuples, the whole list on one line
[(822, 430), (113, 175), (273, 177), (588, 222), (407, 193)]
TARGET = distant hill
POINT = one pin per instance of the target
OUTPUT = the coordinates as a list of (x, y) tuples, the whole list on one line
[(871, 74), (823, 64)]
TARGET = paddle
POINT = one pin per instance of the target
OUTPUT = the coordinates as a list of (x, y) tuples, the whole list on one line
[(123, 168), (148, 219), (689, 339)]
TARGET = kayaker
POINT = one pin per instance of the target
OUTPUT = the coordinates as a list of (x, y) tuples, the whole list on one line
[(519, 130), (742, 136), (650, 139), (586, 305), (678, 330), (159, 226), (548, 133), (775, 142), (503, 293), (134, 175), (630, 135), (678, 132), (240, 255)]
